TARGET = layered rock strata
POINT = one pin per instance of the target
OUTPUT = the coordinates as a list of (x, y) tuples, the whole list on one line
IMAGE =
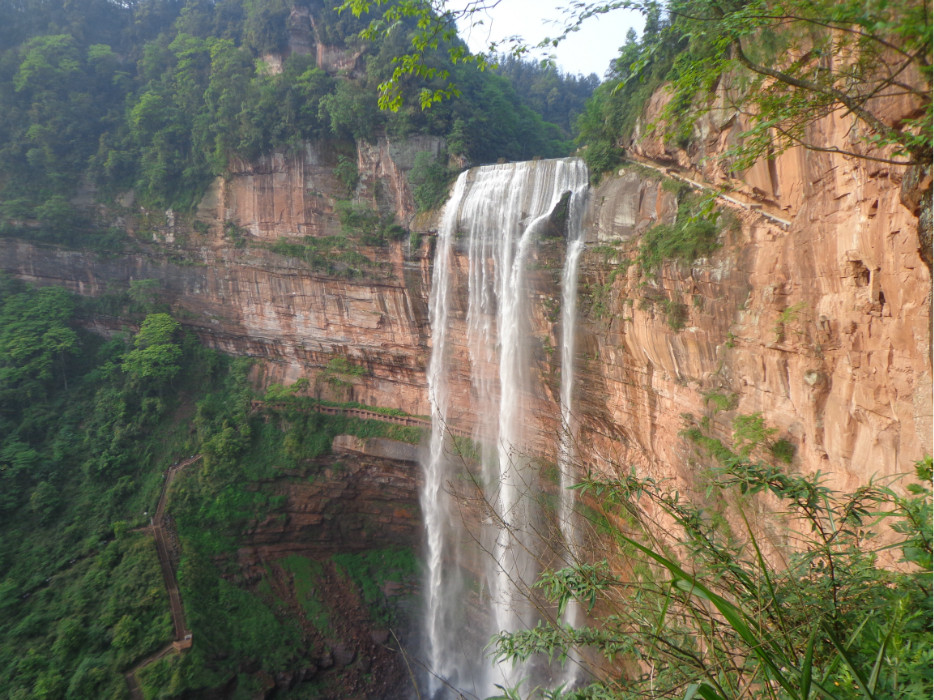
[(814, 312), (821, 324)]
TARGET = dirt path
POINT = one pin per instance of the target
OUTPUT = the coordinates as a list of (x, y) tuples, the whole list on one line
[(157, 527)]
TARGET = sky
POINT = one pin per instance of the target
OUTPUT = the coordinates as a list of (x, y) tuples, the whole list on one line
[(589, 50)]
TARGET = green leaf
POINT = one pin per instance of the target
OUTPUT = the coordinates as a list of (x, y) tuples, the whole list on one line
[(733, 615), (874, 675), (845, 657), (807, 666)]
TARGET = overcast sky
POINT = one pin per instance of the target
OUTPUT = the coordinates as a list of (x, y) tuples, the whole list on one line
[(588, 51)]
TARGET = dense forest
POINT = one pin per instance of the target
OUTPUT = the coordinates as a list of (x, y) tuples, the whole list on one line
[(88, 427), (558, 97), (158, 95)]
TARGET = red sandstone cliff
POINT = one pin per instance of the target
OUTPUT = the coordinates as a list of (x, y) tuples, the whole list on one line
[(821, 324)]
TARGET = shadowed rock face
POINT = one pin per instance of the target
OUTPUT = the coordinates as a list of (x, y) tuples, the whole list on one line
[(348, 503), (823, 326)]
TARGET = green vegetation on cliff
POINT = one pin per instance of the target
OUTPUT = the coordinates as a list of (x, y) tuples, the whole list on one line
[(775, 67), (161, 96), (696, 597), (88, 426)]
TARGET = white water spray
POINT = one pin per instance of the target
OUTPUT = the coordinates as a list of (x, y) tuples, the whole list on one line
[(495, 215), (567, 450), (434, 498)]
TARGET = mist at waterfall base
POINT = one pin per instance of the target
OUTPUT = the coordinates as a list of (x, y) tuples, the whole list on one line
[(484, 523)]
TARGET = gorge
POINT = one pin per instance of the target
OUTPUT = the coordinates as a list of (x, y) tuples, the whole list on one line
[(846, 381), (415, 423)]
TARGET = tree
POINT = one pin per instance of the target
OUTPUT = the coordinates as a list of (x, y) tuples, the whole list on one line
[(34, 340), (790, 62), (436, 28), (796, 62), (155, 357)]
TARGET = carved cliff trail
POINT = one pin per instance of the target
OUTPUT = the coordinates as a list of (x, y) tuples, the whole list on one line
[(183, 637)]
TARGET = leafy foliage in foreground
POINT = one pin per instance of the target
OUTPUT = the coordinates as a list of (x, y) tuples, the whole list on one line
[(720, 614), (781, 66)]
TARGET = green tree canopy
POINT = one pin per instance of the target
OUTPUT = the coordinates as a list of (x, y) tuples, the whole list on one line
[(155, 356), (788, 62), (34, 339)]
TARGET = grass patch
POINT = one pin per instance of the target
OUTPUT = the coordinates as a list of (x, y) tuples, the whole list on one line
[(363, 224), (305, 577), (371, 570), (336, 256), (721, 401), (676, 314)]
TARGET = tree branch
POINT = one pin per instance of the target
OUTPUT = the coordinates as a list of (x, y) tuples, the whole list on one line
[(840, 151), (871, 120)]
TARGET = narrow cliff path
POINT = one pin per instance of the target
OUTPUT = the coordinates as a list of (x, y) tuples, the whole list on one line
[(669, 171), (136, 692), (157, 526), (366, 415)]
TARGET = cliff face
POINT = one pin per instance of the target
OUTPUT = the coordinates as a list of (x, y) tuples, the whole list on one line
[(293, 310), (264, 306), (353, 505), (815, 312)]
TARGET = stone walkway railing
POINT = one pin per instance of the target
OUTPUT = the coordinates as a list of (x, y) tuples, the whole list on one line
[(748, 206)]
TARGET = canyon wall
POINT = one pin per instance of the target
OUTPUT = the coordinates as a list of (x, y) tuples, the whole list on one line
[(222, 277), (814, 312)]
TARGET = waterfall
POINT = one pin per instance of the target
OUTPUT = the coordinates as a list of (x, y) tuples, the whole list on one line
[(434, 498), (494, 218), (567, 449)]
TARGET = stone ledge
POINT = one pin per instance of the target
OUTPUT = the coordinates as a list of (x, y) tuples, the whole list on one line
[(377, 447)]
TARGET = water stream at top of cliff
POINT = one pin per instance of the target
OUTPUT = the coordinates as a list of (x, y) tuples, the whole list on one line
[(488, 234)]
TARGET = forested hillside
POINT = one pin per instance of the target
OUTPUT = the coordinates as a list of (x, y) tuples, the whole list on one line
[(558, 97), (157, 96), (89, 427)]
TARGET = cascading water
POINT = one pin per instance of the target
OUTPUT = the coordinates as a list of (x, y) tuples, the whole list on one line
[(494, 217), (567, 449)]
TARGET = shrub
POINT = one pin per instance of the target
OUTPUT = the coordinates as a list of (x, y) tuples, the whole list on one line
[(693, 235), (829, 622), (430, 180), (783, 450)]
